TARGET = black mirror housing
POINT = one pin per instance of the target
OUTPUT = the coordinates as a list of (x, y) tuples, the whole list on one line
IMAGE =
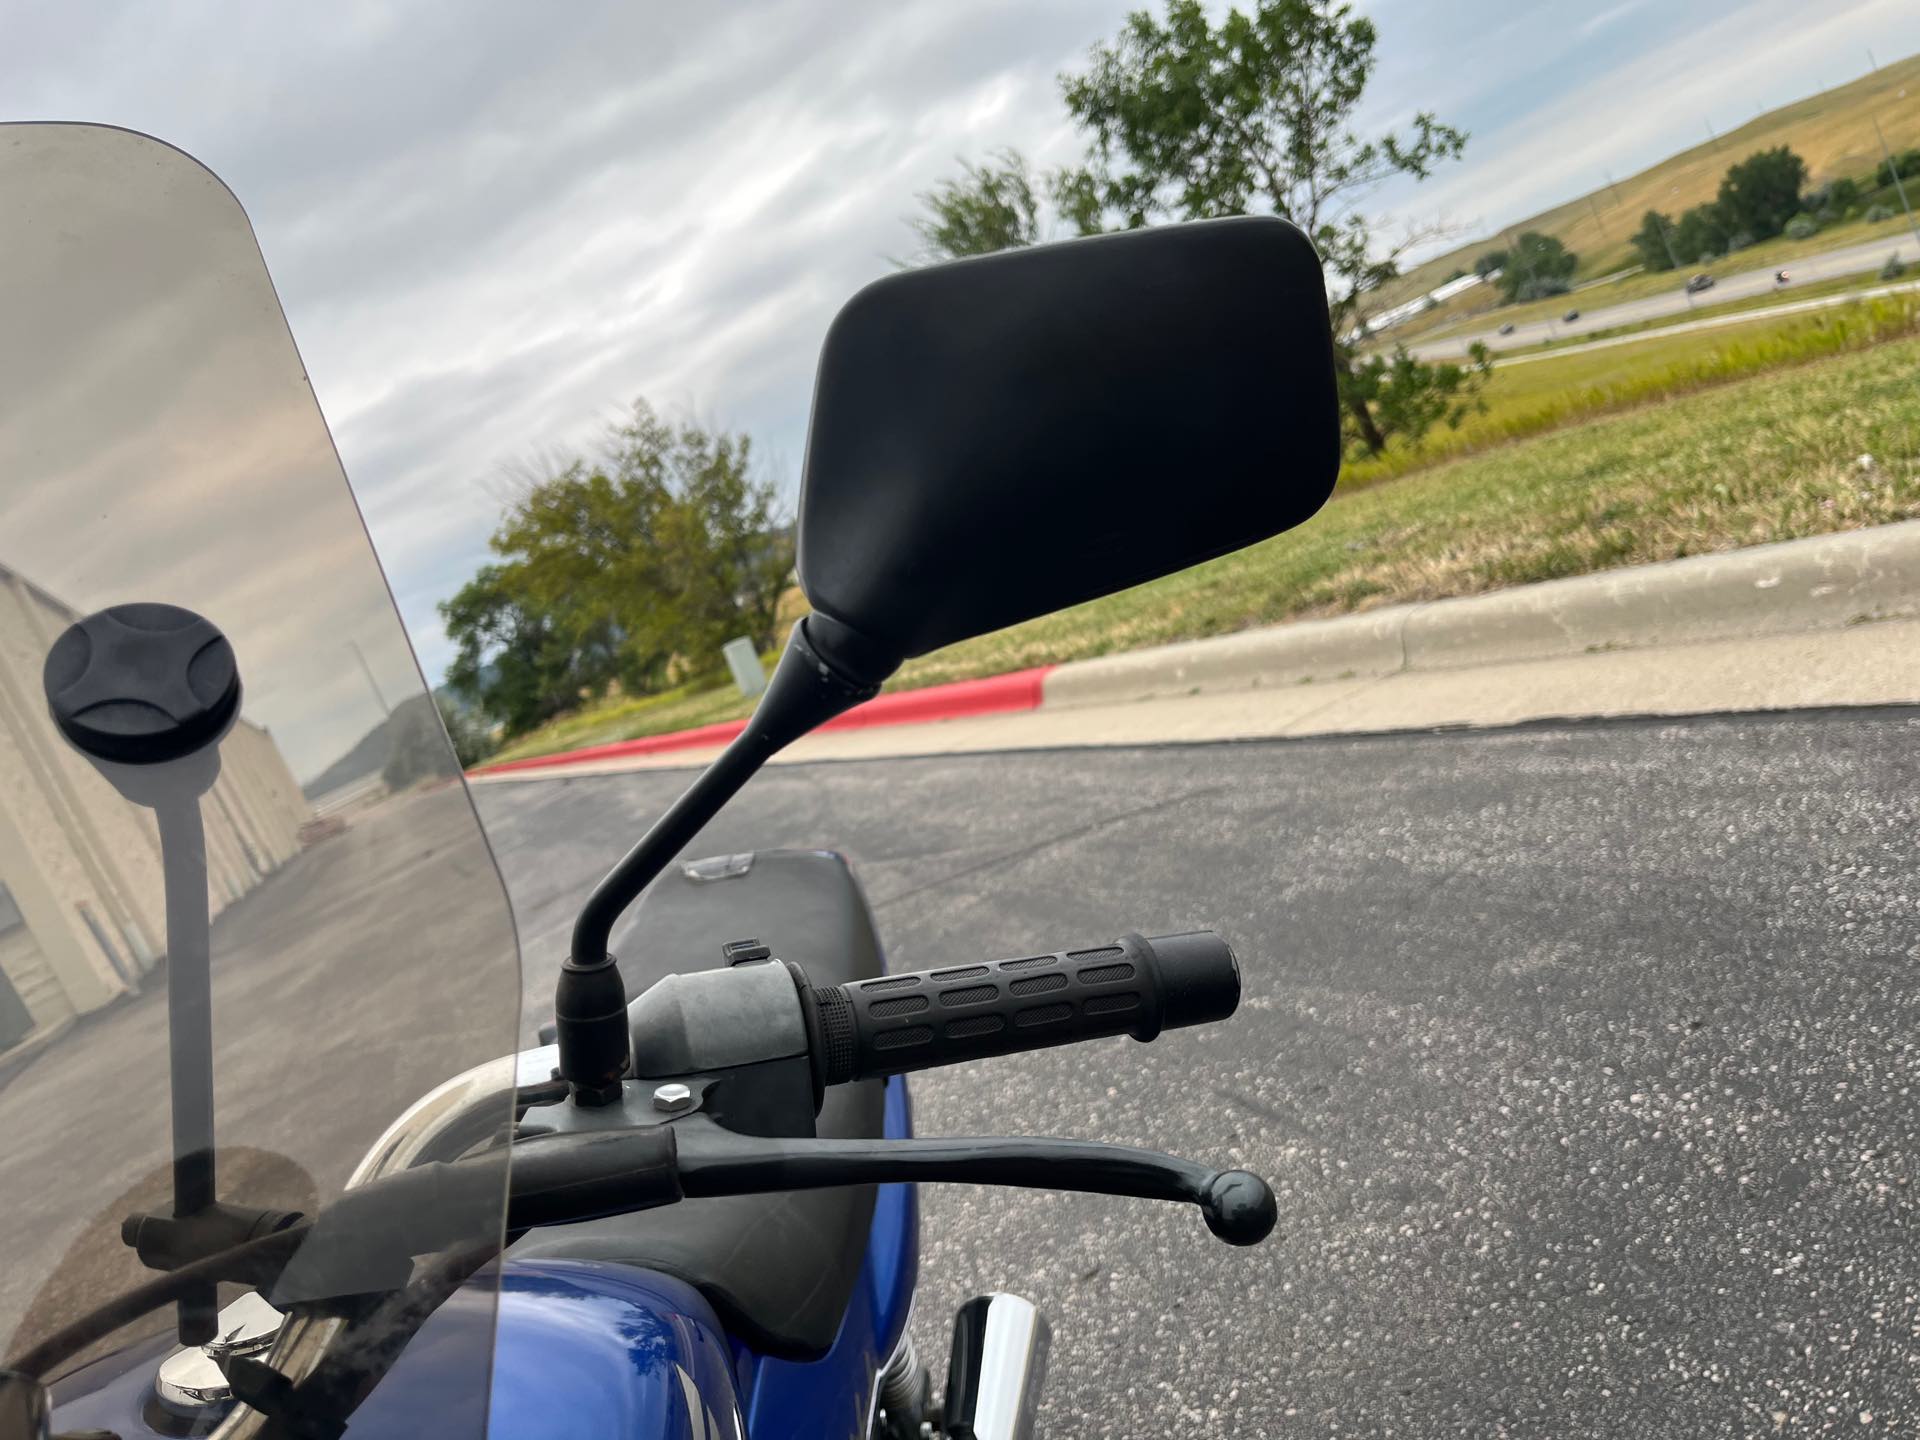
[(997, 438)]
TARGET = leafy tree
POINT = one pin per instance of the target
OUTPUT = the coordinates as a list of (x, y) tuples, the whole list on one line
[(1761, 193), (1802, 227), (1540, 266), (1652, 241), (992, 207), (622, 569), (512, 661), (1489, 262), (1699, 234), (472, 740), (1904, 165), (418, 749), (1410, 398), (1841, 195), (1189, 119)]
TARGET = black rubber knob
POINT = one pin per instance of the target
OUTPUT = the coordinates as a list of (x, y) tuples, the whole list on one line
[(1239, 1207), (142, 684)]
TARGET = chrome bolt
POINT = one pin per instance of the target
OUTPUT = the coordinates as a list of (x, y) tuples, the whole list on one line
[(672, 1099)]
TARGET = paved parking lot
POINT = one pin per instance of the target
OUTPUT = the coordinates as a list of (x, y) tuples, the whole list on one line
[(1582, 1058)]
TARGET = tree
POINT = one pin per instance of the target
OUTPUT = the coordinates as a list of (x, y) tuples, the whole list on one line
[(1189, 119), (1841, 195), (1700, 233), (1539, 266), (993, 207), (472, 740), (1411, 398), (1761, 193), (511, 662), (418, 748), (1652, 242), (1903, 166), (1490, 262), (631, 567)]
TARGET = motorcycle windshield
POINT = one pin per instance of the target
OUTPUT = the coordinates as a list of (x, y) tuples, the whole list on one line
[(160, 445)]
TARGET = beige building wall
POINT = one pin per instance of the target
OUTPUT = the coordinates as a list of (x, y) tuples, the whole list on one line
[(81, 864)]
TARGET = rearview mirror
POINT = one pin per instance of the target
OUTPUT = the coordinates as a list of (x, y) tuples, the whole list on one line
[(1001, 437)]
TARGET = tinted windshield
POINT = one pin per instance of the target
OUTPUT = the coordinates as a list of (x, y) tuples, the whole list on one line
[(159, 443)]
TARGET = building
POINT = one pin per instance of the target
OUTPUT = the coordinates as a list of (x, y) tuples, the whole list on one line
[(82, 918)]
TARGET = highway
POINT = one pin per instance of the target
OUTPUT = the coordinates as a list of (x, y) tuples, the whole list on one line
[(1869, 255), (1581, 1056)]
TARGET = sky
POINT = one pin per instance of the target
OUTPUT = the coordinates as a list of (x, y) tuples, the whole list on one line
[(493, 226)]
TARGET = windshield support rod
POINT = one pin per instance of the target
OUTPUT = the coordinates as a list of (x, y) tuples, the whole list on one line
[(183, 846)]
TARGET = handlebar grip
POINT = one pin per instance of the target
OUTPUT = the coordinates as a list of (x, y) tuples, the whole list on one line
[(1135, 986)]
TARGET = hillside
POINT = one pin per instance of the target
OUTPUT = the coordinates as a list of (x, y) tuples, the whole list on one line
[(372, 751), (1832, 131)]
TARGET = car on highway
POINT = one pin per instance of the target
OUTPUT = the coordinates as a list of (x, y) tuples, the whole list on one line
[(1571, 316), (1702, 281), (1507, 329)]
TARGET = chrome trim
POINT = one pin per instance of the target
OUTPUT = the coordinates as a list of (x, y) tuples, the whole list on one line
[(440, 1125), (999, 1363), (192, 1381)]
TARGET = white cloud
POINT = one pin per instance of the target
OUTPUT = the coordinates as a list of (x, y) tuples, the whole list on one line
[(493, 227)]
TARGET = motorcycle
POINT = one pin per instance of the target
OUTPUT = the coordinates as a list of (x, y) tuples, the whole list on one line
[(247, 885)]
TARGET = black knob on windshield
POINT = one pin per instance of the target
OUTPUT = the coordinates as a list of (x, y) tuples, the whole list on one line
[(142, 684)]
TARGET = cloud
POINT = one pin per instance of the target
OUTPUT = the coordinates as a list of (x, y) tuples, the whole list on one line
[(492, 227), (1597, 22)]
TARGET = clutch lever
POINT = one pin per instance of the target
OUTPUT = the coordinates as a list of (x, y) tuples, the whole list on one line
[(1238, 1206)]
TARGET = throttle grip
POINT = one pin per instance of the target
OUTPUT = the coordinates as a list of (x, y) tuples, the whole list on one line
[(1134, 986)]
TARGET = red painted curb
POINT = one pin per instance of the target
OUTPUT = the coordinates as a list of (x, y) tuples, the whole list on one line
[(995, 695)]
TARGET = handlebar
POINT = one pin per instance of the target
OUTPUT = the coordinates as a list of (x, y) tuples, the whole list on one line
[(1134, 986)]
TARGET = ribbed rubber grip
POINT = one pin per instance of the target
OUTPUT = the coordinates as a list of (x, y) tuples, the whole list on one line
[(1133, 986)]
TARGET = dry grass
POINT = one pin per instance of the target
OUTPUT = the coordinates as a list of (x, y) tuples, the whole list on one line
[(1832, 131), (1530, 399)]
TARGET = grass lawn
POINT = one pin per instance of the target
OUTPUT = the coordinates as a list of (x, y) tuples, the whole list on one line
[(1785, 295), (1772, 457), (1530, 399)]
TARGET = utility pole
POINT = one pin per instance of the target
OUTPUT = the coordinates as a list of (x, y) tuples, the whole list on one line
[(1894, 170), (1598, 224), (372, 684)]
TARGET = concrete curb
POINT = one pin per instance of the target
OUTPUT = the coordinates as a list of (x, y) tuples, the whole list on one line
[(995, 695), (1826, 582)]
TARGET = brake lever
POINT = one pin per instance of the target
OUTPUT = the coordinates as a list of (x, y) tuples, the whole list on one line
[(1238, 1206)]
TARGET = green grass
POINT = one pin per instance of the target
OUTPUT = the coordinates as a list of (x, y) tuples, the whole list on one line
[(1773, 457), (1528, 400), (1784, 295)]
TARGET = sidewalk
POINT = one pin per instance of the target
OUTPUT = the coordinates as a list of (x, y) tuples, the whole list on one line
[(1830, 621)]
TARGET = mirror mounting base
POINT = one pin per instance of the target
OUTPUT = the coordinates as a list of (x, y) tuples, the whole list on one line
[(809, 686)]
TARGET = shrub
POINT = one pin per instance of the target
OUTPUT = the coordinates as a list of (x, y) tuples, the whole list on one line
[(1877, 213), (1541, 288), (1740, 241), (1894, 268), (1802, 227)]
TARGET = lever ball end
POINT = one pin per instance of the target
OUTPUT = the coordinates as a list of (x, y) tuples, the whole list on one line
[(1239, 1207)]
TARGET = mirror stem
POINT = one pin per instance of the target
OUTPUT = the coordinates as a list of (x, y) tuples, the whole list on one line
[(590, 1002)]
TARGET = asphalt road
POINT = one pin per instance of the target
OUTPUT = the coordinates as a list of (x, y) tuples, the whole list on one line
[(1850, 260), (1582, 1058)]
